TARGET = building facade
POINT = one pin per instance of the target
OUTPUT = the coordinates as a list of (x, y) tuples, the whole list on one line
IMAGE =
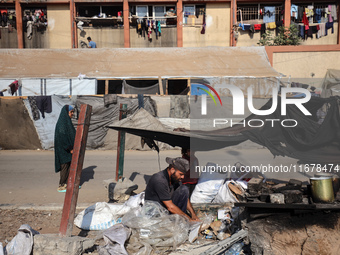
[(64, 24)]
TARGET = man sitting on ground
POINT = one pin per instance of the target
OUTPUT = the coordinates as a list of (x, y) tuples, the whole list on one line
[(166, 188)]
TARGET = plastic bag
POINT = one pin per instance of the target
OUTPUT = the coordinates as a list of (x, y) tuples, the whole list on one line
[(22, 243), (225, 195), (153, 225), (136, 200), (100, 216), (1, 249), (115, 238), (208, 186)]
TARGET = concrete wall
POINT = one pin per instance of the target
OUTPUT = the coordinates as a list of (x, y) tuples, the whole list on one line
[(245, 40), (217, 31), (59, 26), (168, 38), (8, 40), (39, 40), (300, 65), (104, 37)]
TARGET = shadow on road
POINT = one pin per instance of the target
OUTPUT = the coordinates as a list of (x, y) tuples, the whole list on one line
[(87, 174)]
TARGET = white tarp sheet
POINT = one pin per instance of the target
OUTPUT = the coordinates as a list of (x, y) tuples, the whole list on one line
[(46, 126), (40, 87)]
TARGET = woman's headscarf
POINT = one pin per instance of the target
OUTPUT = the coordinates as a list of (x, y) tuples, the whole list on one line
[(64, 136)]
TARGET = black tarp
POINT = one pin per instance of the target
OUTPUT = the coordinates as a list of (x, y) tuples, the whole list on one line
[(309, 141)]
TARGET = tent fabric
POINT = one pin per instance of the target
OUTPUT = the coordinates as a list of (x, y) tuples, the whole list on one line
[(331, 83), (129, 89), (136, 63), (309, 141), (103, 116)]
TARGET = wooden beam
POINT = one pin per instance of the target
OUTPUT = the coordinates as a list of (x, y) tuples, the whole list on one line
[(179, 7), (71, 197), (160, 83), (189, 86), (167, 87), (106, 87), (121, 144), (20, 35), (126, 24)]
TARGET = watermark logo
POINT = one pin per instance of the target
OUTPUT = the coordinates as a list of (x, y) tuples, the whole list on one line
[(239, 99), (204, 97)]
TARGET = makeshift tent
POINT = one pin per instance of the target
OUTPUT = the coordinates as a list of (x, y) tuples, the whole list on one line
[(311, 141), (331, 83)]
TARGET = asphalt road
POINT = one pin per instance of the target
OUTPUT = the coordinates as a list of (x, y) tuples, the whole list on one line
[(28, 177)]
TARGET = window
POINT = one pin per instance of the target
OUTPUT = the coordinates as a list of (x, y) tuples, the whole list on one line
[(193, 14), (142, 11)]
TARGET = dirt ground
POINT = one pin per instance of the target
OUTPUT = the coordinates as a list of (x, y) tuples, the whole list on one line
[(45, 222)]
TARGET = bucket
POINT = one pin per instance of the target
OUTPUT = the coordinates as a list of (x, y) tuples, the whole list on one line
[(322, 189), (335, 179)]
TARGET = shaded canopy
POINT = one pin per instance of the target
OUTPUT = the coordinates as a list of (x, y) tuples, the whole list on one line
[(309, 141)]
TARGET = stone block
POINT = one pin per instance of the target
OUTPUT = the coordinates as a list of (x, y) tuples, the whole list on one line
[(121, 191), (254, 185), (293, 182), (53, 244), (277, 198), (292, 196)]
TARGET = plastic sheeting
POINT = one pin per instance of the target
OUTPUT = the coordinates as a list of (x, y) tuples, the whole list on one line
[(129, 89), (103, 116), (331, 83), (45, 126), (39, 87)]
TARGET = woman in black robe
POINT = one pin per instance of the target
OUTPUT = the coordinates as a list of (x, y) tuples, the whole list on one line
[(63, 145)]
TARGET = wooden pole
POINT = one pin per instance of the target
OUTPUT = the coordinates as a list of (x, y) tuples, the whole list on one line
[(126, 23), (121, 144), (287, 13), (160, 83), (106, 87), (179, 14), (72, 7), (18, 11), (71, 197)]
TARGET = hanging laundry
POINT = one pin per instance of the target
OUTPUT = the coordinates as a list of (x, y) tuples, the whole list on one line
[(328, 26), (322, 31), (302, 31), (159, 28), (330, 18), (333, 12), (156, 30), (257, 27), (29, 29), (300, 12), (14, 86), (263, 29), (44, 104), (278, 24), (203, 25), (318, 15), (271, 25), (309, 11), (294, 11), (251, 31), (305, 21), (269, 14), (34, 108)]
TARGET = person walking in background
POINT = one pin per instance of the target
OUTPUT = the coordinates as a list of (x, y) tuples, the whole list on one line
[(64, 136), (92, 44)]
